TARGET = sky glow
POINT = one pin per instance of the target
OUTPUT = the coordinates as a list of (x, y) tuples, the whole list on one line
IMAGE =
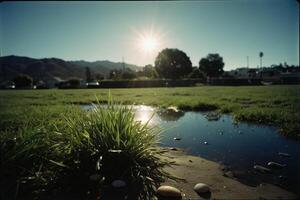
[(138, 31)]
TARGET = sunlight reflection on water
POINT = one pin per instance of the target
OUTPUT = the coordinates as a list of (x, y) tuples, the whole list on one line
[(238, 145)]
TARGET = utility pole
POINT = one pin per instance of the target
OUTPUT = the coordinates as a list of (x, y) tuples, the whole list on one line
[(247, 61)]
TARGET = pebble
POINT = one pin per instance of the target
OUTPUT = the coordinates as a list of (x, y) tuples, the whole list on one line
[(282, 177), (169, 191), (261, 169), (115, 151), (175, 138), (118, 183), (173, 149), (206, 143), (277, 165), (95, 177), (201, 188), (284, 154), (229, 174)]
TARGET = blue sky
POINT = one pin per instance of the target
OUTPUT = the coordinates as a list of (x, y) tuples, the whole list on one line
[(110, 30)]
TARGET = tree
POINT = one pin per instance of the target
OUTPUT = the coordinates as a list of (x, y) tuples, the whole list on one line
[(196, 73), (99, 76), (128, 74), (173, 63), (88, 74), (150, 72), (23, 81), (74, 83), (212, 65), (261, 54)]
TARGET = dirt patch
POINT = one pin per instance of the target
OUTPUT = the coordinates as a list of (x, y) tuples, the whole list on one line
[(222, 186)]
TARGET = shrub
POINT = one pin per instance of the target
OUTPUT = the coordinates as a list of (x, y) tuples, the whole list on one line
[(82, 154)]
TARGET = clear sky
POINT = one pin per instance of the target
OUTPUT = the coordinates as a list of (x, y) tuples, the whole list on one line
[(137, 31)]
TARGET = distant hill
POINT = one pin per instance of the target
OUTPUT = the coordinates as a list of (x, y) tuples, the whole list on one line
[(103, 66), (39, 69)]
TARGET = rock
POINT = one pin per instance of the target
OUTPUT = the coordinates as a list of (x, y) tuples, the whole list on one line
[(173, 149), (213, 116), (118, 183), (115, 151), (284, 154), (175, 138), (169, 191), (95, 177), (276, 165), (190, 161), (173, 108), (262, 169), (282, 177), (229, 174), (201, 188), (206, 143)]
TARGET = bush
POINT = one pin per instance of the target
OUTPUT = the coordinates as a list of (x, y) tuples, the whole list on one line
[(23, 81), (83, 153)]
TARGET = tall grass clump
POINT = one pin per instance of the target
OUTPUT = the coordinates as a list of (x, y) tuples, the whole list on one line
[(81, 154), (107, 144)]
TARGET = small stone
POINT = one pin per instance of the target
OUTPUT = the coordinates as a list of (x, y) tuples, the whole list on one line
[(281, 177), (95, 177), (169, 191), (206, 143), (175, 138), (276, 165), (201, 188), (261, 169), (190, 161), (284, 154), (173, 149), (118, 183), (229, 174), (115, 151)]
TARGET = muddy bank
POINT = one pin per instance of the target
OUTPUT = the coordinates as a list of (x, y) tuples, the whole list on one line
[(222, 186)]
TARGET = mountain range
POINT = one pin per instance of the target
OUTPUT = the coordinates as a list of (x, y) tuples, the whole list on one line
[(45, 68)]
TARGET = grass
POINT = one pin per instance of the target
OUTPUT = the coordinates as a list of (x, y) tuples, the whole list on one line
[(278, 104), (50, 147), (63, 150)]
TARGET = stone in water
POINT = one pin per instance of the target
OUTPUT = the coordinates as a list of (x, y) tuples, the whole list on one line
[(284, 154), (276, 165), (261, 169), (201, 188), (169, 191), (118, 183)]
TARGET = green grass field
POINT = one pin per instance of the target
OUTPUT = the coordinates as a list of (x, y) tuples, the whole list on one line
[(50, 147), (279, 104)]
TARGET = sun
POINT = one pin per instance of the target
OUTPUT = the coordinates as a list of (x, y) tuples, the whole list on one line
[(149, 43)]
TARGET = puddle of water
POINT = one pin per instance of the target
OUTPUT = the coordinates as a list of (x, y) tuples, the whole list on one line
[(238, 146)]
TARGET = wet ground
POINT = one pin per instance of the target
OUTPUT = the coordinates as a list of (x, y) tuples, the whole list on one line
[(239, 146)]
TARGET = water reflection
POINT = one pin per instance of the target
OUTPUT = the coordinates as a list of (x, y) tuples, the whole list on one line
[(170, 114), (239, 146)]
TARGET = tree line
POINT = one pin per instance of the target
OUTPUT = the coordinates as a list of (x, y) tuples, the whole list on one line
[(174, 64), (170, 63)]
